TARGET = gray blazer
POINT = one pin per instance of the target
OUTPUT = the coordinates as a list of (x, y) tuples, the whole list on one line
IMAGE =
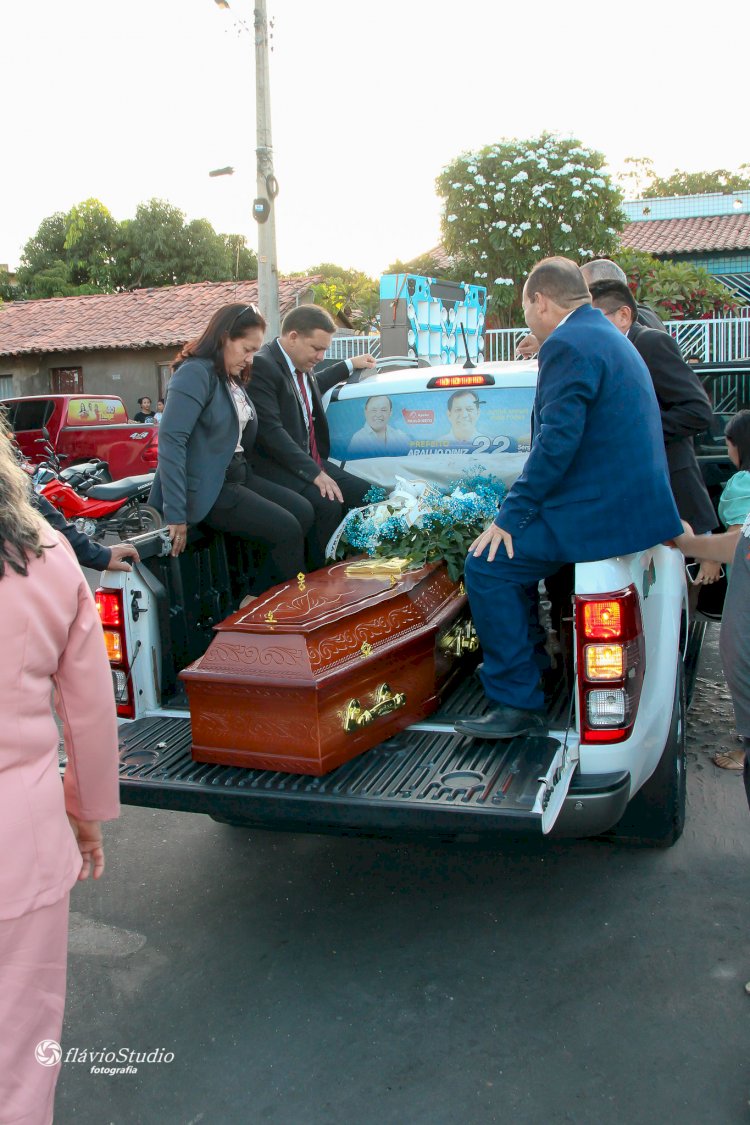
[(197, 438)]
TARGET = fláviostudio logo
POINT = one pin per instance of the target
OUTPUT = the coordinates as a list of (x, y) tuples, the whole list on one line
[(48, 1052), (117, 1060)]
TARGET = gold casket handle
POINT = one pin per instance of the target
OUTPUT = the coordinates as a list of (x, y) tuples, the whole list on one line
[(460, 639), (384, 702)]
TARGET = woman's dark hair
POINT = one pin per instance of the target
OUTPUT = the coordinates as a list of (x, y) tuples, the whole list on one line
[(229, 323), (738, 431), (20, 524)]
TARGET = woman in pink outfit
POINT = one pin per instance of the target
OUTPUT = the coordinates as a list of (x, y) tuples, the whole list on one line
[(49, 830)]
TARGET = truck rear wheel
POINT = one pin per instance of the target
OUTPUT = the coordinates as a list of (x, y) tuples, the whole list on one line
[(656, 815)]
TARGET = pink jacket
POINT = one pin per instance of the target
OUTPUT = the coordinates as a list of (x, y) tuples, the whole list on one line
[(50, 634)]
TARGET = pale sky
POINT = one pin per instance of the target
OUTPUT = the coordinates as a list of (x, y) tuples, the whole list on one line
[(125, 100)]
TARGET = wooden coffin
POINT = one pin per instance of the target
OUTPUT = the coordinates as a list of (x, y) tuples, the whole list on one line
[(319, 670)]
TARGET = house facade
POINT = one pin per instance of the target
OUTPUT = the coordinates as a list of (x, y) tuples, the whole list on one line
[(115, 343), (711, 230)]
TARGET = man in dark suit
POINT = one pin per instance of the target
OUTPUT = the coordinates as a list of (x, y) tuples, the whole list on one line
[(683, 403), (576, 497), (604, 269), (600, 269), (293, 442)]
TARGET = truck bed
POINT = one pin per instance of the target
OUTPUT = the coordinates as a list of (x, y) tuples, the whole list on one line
[(427, 780)]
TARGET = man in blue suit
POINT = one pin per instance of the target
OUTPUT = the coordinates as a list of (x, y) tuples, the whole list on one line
[(584, 493)]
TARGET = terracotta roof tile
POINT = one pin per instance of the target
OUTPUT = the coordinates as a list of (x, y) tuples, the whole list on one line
[(707, 234), (142, 318)]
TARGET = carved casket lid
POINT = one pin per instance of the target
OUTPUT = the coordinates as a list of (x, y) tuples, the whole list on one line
[(323, 598)]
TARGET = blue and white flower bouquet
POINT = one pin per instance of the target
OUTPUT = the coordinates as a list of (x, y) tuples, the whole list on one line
[(421, 522)]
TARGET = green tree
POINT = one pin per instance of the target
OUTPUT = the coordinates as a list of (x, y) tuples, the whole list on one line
[(149, 254), (43, 271), (91, 240), (70, 253), (675, 290), (54, 281), (205, 254), (159, 248), (8, 288), (243, 260), (512, 203), (347, 291), (43, 248), (87, 251), (698, 183)]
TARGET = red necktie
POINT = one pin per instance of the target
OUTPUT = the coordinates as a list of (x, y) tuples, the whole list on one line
[(311, 428)]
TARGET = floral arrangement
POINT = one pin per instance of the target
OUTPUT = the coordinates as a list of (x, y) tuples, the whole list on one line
[(421, 522)]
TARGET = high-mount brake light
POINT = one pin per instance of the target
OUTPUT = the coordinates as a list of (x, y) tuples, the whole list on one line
[(111, 608), (461, 381), (610, 673)]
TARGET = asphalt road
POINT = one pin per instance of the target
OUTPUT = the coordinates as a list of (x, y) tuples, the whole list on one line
[(307, 980)]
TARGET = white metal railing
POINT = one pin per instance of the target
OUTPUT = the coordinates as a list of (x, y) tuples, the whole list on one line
[(719, 340), (501, 343), (345, 347)]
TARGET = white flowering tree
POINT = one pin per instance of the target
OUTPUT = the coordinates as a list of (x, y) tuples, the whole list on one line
[(510, 204)]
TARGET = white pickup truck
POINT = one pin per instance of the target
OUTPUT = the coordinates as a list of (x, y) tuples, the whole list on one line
[(615, 759)]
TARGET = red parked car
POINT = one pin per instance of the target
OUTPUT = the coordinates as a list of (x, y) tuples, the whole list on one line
[(82, 428)]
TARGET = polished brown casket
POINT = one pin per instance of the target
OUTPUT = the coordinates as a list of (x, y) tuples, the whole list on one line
[(319, 670)]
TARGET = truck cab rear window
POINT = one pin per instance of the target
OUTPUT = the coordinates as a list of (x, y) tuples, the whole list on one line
[(31, 415)]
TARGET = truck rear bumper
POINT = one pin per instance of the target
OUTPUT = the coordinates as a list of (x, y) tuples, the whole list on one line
[(420, 783), (593, 804)]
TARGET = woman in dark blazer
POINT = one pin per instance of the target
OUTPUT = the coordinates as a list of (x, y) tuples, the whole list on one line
[(206, 434)]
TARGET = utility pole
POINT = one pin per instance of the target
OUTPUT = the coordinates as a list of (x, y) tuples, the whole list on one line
[(264, 206), (267, 187)]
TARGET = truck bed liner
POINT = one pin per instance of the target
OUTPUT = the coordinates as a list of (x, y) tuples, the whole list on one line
[(426, 779)]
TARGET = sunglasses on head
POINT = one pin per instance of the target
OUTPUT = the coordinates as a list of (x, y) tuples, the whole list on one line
[(248, 308)]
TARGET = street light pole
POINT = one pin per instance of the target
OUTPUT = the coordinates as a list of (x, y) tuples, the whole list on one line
[(264, 207)]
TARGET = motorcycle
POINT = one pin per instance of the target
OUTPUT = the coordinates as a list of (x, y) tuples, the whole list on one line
[(89, 498)]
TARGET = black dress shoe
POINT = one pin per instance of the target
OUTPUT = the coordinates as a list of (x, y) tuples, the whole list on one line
[(504, 722)]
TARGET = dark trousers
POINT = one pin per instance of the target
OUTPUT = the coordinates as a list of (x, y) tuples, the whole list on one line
[(746, 768), (502, 597), (275, 518), (328, 513)]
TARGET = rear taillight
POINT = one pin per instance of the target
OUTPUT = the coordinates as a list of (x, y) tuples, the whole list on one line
[(611, 663), (111, 606)]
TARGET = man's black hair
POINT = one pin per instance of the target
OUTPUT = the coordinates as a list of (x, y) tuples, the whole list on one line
[(609, 296)]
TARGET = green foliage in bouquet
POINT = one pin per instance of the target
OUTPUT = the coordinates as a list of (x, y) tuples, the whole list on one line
[(444, 530)]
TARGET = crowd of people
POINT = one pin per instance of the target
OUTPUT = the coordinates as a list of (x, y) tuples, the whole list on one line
[(244, 449)]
